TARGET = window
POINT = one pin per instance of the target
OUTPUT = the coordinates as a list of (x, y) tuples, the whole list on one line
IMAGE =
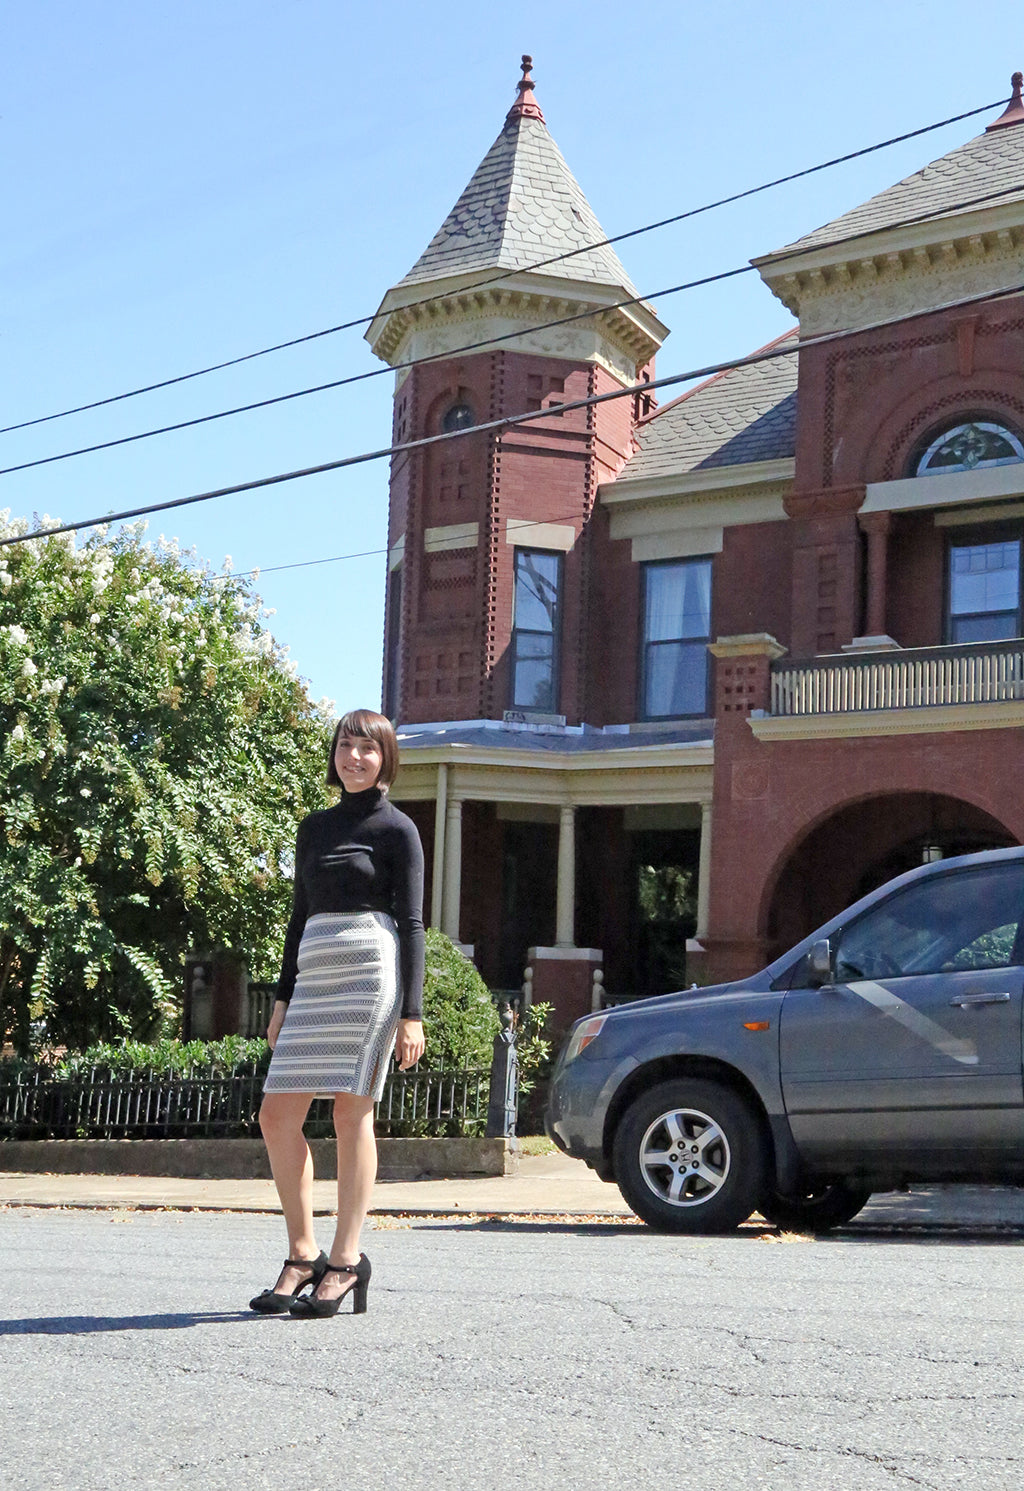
[(970, 447), (676, 631), (458, 417), (952, 923), (984, 591), (535, 630), (393, 632)]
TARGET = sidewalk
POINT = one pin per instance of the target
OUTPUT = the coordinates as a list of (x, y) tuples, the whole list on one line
[(546, 1185)]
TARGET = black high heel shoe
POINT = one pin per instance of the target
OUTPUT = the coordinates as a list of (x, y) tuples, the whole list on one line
[(270, 1302), (310, 1307)]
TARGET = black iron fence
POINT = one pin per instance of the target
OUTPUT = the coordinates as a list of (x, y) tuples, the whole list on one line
[(150, 1105)]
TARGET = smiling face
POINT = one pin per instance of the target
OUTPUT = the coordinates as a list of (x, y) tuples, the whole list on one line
[(358, 761)]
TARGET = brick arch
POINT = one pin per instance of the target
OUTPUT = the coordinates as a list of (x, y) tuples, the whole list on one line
[(959, 405), (877, 390), (845, 850)]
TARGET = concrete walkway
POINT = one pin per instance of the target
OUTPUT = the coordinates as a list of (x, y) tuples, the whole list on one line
[(546, 1185)]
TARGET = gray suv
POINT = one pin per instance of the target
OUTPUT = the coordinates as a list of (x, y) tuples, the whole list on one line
[(883, 1050)]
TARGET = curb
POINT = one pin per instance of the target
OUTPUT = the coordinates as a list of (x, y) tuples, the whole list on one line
[(246, 1159)]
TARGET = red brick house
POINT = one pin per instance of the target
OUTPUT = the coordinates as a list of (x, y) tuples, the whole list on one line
[(763, 643)]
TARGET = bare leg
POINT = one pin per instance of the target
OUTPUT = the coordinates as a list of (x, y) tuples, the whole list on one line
[(357, 1170), (282, 1115)]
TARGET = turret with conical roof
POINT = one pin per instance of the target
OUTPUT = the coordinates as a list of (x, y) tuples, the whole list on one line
[(477, 521), (524, 237)]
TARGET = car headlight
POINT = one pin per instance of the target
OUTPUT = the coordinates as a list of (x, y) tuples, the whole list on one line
[(582, 1034)]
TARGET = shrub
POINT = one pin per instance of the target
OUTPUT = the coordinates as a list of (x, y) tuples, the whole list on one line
[(458, 1013), (168, 1057)]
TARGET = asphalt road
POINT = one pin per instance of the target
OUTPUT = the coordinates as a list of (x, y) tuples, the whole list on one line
[(521, 1353)]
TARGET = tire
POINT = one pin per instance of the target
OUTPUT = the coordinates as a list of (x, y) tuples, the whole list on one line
[(690, 1156), (829, 1206)]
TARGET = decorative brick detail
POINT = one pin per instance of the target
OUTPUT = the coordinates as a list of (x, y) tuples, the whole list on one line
[(842, 359), (967, 402), (743, 674)]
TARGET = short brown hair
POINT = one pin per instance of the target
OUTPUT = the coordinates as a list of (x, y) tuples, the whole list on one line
[(370, 726)]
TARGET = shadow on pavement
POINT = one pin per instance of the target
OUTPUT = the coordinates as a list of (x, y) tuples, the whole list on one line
[(90, 1325), (876, 1232)]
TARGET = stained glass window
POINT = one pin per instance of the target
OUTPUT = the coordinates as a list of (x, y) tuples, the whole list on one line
[(968, 447)]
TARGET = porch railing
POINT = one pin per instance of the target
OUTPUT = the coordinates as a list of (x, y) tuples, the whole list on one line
[(972, 673), (147, 1105)]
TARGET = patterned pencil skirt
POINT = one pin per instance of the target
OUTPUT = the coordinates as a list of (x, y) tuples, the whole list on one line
[(339, 1031)]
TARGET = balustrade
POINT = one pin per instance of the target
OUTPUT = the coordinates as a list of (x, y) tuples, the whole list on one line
[(975, 673)]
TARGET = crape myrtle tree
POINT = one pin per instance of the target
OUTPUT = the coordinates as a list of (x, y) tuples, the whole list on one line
[(156, 754)]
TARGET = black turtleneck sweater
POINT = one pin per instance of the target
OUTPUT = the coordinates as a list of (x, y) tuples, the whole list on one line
[(361, 855)]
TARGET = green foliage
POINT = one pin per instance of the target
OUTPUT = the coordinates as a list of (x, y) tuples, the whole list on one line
[(535, 1046), (156, 754), (458, 1013), (192, 1058), (668, 915)]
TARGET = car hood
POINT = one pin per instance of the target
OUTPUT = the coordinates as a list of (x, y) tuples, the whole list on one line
[(692, 999)]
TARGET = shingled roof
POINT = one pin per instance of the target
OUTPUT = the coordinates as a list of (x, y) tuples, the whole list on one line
[(743, 415), (523, 205), (987, 171)]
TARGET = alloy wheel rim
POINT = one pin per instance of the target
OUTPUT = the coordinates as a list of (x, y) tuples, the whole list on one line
[(685, 1157)]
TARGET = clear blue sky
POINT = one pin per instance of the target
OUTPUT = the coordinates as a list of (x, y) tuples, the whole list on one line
[(188, 181)]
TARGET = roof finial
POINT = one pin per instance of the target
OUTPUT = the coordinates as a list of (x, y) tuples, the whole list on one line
[(1014, 111), (525, 106)]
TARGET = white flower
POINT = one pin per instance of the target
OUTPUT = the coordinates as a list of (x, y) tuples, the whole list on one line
[(17, 733), (94, 619), (18, 634), (6, 579), (28, 668), (85, 792)]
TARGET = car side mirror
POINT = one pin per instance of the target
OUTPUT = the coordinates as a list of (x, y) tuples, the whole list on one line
[(819, 964)]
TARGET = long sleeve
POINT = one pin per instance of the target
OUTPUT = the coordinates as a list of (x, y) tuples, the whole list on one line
[(408, 914), (296, 927)]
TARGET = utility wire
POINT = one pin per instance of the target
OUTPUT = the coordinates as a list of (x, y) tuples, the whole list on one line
[(510, 422), (508, 274), (796, 252)]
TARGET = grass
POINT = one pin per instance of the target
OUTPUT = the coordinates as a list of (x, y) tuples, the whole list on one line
[(536, 1144)]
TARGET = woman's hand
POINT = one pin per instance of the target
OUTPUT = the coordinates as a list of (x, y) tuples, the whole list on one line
[(409, 1043), (276, 1021)]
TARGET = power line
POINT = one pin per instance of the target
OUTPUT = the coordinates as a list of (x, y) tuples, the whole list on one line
[(795, 252), (506, 274), (509, 422)]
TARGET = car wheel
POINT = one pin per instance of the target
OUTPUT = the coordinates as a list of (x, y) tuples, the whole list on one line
[(690, 1156), (817, 1210)]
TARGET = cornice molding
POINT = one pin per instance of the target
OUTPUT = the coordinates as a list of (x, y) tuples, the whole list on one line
[(665, 774), (942, 719), (705, 484), (530, 298), (838, 286)]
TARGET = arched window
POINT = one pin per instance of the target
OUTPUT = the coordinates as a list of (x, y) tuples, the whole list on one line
[(969, 447), (458, 417)]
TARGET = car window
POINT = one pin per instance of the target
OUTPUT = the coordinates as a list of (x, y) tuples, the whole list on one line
[(951, 922)]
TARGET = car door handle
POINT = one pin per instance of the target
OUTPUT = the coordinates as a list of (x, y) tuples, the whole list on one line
[(965, 1000)]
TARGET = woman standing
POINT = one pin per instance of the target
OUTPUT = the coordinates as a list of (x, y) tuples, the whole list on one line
[(351, 989)]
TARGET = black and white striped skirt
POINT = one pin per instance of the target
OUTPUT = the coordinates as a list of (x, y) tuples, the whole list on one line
[(339, 1031)]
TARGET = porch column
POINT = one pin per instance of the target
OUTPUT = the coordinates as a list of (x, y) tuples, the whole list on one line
[(565, 902), (877, 527), (437, 878), (452, 869), (704, 872)]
